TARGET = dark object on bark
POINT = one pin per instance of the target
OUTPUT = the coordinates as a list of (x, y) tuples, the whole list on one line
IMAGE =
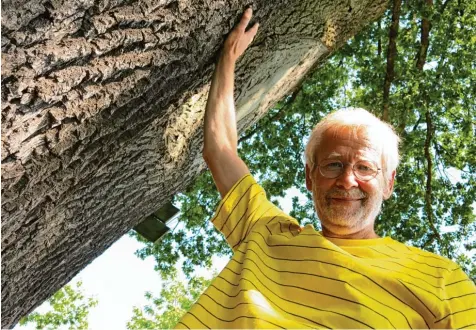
[(102, 107)]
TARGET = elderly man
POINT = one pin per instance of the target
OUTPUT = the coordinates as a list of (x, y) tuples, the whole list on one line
[(285, 276)]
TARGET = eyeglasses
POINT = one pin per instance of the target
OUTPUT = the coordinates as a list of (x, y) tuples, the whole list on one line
[(364, 170)]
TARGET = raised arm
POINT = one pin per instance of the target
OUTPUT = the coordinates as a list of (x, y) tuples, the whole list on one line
[(221, 139)]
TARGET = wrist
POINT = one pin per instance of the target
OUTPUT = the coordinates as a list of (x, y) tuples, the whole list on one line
[(227, 60)]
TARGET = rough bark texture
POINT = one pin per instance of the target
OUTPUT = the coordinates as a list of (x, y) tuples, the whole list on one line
[(102, 108)]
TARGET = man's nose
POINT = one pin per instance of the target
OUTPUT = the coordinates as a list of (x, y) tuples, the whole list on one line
[(347, 179)]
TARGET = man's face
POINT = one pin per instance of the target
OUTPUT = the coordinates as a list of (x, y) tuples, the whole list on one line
[(345, 205)]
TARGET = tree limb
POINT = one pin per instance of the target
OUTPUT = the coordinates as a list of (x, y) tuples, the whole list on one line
[(429, 162), (391, 54), (428, 241), (276, 116), (379, 42), (425, 38), (421, 59)]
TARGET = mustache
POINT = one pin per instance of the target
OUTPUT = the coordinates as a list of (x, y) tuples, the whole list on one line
[(353, 193)]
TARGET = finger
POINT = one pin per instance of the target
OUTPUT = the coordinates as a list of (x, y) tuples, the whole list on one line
[(252, 32), (245, 19)]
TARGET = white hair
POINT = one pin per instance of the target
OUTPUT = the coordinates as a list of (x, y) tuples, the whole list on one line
[(382, 135)]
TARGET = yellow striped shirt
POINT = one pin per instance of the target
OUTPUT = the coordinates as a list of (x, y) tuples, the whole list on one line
[(285, 276)]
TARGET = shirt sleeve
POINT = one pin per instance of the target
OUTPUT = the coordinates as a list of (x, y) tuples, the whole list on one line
[(460, 293), (243, 208)]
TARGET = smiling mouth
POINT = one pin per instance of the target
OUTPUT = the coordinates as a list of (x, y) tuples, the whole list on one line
[(346, 199)]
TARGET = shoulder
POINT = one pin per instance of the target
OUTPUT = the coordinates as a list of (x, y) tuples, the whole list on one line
[(422, 255), (246, 190), (245, 208), (450, 271)]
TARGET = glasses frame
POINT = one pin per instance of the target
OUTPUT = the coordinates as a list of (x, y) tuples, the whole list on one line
[(353, 169)]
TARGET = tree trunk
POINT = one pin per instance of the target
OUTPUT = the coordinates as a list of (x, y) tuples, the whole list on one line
[(102, 110)]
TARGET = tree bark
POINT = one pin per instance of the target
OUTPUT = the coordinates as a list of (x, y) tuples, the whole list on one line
[(391, 55), (102, 108), (278, 116)]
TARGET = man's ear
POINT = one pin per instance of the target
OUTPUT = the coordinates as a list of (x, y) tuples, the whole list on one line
[(388, 190), (308, 178)]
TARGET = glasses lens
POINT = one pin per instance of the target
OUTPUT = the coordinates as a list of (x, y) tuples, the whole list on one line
[(331, 169), (365, 170)]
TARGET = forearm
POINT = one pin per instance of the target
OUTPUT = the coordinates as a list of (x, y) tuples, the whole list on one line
[(220, 120), (220, 135)]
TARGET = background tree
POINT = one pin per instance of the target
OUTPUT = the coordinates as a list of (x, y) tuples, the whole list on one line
[(415, 68), (68, 308), (175, 299)]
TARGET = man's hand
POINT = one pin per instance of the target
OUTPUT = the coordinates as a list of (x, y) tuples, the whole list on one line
[(220, 135), (239, 39)]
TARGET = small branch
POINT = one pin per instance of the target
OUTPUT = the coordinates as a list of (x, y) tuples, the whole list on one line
[(379, 43), (416, 124), (391, 55), (430, 240), (429, 167), (403, 117), (246, 136), (425, 40)]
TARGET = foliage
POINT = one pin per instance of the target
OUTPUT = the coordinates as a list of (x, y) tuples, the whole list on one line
[(69, 308), (354, 76), (175, 299)]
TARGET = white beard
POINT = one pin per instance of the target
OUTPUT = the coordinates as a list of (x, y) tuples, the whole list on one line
[(347, 219)]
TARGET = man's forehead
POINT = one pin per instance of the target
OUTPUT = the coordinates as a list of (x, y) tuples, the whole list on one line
[(337, 143), (334, 154), (364, 154)]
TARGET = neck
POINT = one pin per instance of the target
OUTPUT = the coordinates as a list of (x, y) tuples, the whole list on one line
[(365, 233)]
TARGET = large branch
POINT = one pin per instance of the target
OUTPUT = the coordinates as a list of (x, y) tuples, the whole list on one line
[(391, 56), (425, 37), (421, 59), (403, 118), (102, 111), (276, 117)]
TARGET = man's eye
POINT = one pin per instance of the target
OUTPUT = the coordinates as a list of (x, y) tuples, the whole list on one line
[(334, 166), (364, 168)]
